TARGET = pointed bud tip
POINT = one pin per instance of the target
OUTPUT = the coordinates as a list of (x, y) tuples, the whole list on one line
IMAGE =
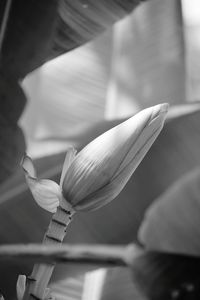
[(162, 108), (159, 110), (23, 160)]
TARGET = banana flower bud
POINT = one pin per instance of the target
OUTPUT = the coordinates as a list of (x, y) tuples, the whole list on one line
[(98, 173)]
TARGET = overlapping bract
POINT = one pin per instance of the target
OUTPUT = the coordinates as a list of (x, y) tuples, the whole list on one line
[(97, 174)]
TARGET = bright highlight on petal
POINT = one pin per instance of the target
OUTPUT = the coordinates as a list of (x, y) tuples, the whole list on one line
[(70, 155), (99, 172), (46, 192)]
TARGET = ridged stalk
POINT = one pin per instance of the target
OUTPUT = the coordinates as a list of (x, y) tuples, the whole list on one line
[(41, 274)]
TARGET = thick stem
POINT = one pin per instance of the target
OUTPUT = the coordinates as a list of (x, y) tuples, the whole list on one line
[(41, 274)]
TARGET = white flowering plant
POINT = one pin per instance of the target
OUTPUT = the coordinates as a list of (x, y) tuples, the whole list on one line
[(89, 180)]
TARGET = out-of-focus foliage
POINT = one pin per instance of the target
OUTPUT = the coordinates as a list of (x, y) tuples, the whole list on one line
[(148, 63), (35, 29), (171, 223), (71, 89), (191, 24)]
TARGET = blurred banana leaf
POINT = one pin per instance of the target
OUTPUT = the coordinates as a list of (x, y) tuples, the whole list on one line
[(175, 152), (71, 89), (37, 31), (148, 62), (171, 224), (118, 285)]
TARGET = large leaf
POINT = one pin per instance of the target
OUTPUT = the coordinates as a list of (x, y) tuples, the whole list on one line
[(148, 62), (172, 223), (71, 89), (39, 30)]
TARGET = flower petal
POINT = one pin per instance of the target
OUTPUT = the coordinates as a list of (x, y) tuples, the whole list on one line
[(27, 165), (101, 160), (70, 155), (108, 192), (172, 223), (152, 130), (21, 285), (96, 159), (46, 193)]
